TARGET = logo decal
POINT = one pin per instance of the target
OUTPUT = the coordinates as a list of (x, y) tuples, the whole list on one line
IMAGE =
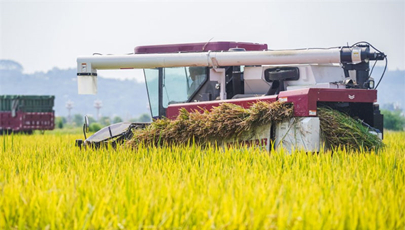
[(351, 97)]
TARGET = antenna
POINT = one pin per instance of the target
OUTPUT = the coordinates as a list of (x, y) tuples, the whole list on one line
[(203, 49)]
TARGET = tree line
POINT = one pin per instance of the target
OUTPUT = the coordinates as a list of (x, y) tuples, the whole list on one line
[(77, 120)]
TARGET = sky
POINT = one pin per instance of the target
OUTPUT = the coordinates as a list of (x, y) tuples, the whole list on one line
[(41, 35)]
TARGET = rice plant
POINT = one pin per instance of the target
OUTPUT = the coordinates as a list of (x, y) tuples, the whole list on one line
[(47, 183)]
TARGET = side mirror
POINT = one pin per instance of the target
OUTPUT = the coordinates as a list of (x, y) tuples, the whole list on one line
[(86, 123), (85, 126)]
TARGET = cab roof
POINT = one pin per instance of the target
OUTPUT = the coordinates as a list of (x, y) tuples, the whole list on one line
[(199, 47)]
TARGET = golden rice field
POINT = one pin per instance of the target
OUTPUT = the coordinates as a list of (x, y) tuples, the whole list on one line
[(46, 183)]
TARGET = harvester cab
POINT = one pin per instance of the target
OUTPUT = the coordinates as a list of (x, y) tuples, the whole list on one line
[(200, 76)]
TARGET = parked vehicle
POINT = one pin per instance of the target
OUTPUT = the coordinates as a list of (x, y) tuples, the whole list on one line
[(25, 113)]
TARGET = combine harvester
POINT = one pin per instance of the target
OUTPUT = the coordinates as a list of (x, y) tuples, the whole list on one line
[(201, 76)]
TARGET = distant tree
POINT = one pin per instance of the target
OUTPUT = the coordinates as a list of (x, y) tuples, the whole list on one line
[(393, 120), (91, 119), (78, 120), (117, 119), (104, 121), (144, 118), (59, 122), (94, 127), (64, 120)]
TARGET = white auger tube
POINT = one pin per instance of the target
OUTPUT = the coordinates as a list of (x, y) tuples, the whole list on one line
[(87, 66)]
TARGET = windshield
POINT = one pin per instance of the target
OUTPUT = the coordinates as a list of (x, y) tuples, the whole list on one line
[(104, 133), (179, 84)]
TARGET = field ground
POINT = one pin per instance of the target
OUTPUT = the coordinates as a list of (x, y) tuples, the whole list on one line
[(47, 183)]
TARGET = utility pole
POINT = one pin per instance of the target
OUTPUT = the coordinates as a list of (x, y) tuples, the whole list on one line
[(69, 106), (98, 105)]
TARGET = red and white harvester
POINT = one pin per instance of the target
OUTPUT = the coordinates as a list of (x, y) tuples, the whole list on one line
[(198, 76)]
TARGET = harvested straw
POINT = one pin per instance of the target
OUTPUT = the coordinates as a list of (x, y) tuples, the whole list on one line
[(341, 130), (229, 120), (222, 122)]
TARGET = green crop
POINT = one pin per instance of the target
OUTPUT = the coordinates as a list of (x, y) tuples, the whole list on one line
[(48, 183)]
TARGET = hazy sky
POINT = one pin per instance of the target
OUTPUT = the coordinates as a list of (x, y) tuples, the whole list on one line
[(45, 34)]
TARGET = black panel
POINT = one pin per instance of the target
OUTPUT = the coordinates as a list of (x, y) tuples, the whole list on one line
[(234, 81), (282, 74), (162, 110), (278, 75), (378, 119)]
